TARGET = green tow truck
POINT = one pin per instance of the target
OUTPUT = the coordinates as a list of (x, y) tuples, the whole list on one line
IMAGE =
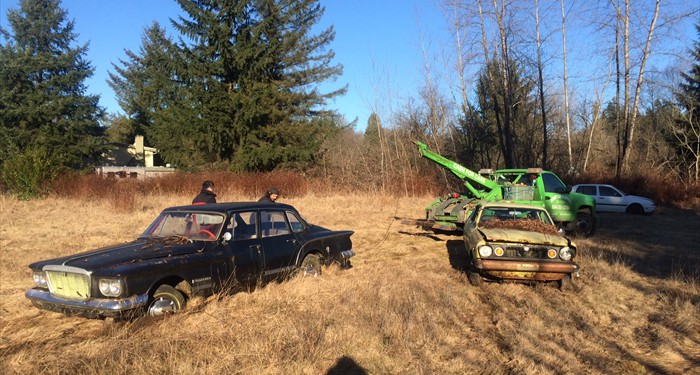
[(573, 212)]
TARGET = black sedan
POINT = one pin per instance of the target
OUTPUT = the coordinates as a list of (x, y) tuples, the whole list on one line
[(188, 251)]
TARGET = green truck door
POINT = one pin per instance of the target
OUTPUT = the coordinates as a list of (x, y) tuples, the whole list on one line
[(557, 201)]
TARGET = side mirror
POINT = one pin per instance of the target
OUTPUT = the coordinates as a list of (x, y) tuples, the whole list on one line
[(227, 237)]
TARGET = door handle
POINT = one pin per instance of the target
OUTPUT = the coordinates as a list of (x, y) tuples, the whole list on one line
[(256, 248), (292, 241)]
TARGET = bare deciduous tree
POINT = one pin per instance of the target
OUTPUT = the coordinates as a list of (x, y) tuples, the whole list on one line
[(566, 87), (540, 84)]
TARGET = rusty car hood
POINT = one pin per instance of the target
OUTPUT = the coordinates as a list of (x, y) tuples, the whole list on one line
[(117, 255), (522, 236)]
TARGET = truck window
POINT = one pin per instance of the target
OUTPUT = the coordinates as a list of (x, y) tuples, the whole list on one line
[(552, 184)]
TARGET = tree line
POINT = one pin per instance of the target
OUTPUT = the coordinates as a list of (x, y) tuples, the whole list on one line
[(509, 100), (238, 90)]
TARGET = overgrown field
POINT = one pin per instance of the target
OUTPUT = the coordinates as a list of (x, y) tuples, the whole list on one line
[(405, 307)]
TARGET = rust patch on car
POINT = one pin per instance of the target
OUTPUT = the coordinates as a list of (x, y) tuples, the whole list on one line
[(532, 276), (489, 265)]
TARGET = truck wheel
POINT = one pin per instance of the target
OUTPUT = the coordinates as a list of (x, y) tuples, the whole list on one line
[(166, 300), (311, 265), (584, 225)]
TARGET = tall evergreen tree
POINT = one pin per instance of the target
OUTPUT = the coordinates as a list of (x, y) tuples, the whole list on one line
[(476, 140), (145, 82), (243, 84), (43, 103), (689, 90), (373, 130), (687, 125), (372, 151), (514, 129)]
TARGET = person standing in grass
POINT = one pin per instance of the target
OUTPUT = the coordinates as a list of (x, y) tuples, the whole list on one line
[(271, 195), (207, 194)]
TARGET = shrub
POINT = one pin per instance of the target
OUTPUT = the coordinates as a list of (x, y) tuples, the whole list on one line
[(27, 175)]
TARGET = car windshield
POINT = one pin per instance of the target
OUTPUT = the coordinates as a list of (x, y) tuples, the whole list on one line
[(199, 226)]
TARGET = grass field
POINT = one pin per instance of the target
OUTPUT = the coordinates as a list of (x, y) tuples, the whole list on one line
[(405, 307)]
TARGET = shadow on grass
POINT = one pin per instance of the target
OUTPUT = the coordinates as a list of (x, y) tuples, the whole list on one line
[(457, 253), (663, 245), (346, 366), (422, 234)]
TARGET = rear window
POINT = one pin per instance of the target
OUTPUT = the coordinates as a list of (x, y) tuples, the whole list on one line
[(609, 192)]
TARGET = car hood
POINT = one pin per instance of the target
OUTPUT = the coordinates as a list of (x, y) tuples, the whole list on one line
[(522, 236), (116, 255)]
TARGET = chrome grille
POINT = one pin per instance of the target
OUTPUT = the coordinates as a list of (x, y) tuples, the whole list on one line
[(68, 282)]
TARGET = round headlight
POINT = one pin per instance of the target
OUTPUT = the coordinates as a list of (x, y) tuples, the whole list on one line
[(498, 251), (551, 253), (565, 253), (110, 287), (39, 279), (115, 288), (485, 251)]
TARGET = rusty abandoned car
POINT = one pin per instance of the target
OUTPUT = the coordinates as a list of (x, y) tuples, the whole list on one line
[(188, 251), (510, 241)]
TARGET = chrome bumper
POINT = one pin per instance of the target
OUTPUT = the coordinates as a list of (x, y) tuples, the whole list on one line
[(347, 254), (91, 308), (344, 259)]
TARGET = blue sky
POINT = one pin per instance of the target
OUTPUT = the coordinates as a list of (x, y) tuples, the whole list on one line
[(380, 44), (373, 39)]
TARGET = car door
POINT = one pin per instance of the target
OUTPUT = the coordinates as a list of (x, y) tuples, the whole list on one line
[(611, 199), (279, 243), (246, 246)]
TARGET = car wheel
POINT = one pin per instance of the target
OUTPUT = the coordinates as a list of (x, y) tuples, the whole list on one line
[(311, 265), (585, 224), (166, 300), (472, 274), (635, 209), (565, 283), (474, 278)]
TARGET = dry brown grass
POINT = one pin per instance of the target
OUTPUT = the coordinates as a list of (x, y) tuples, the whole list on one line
[(404, 308)]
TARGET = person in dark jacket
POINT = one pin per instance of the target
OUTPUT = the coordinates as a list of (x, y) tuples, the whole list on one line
[(206, 195), (270, 196)]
